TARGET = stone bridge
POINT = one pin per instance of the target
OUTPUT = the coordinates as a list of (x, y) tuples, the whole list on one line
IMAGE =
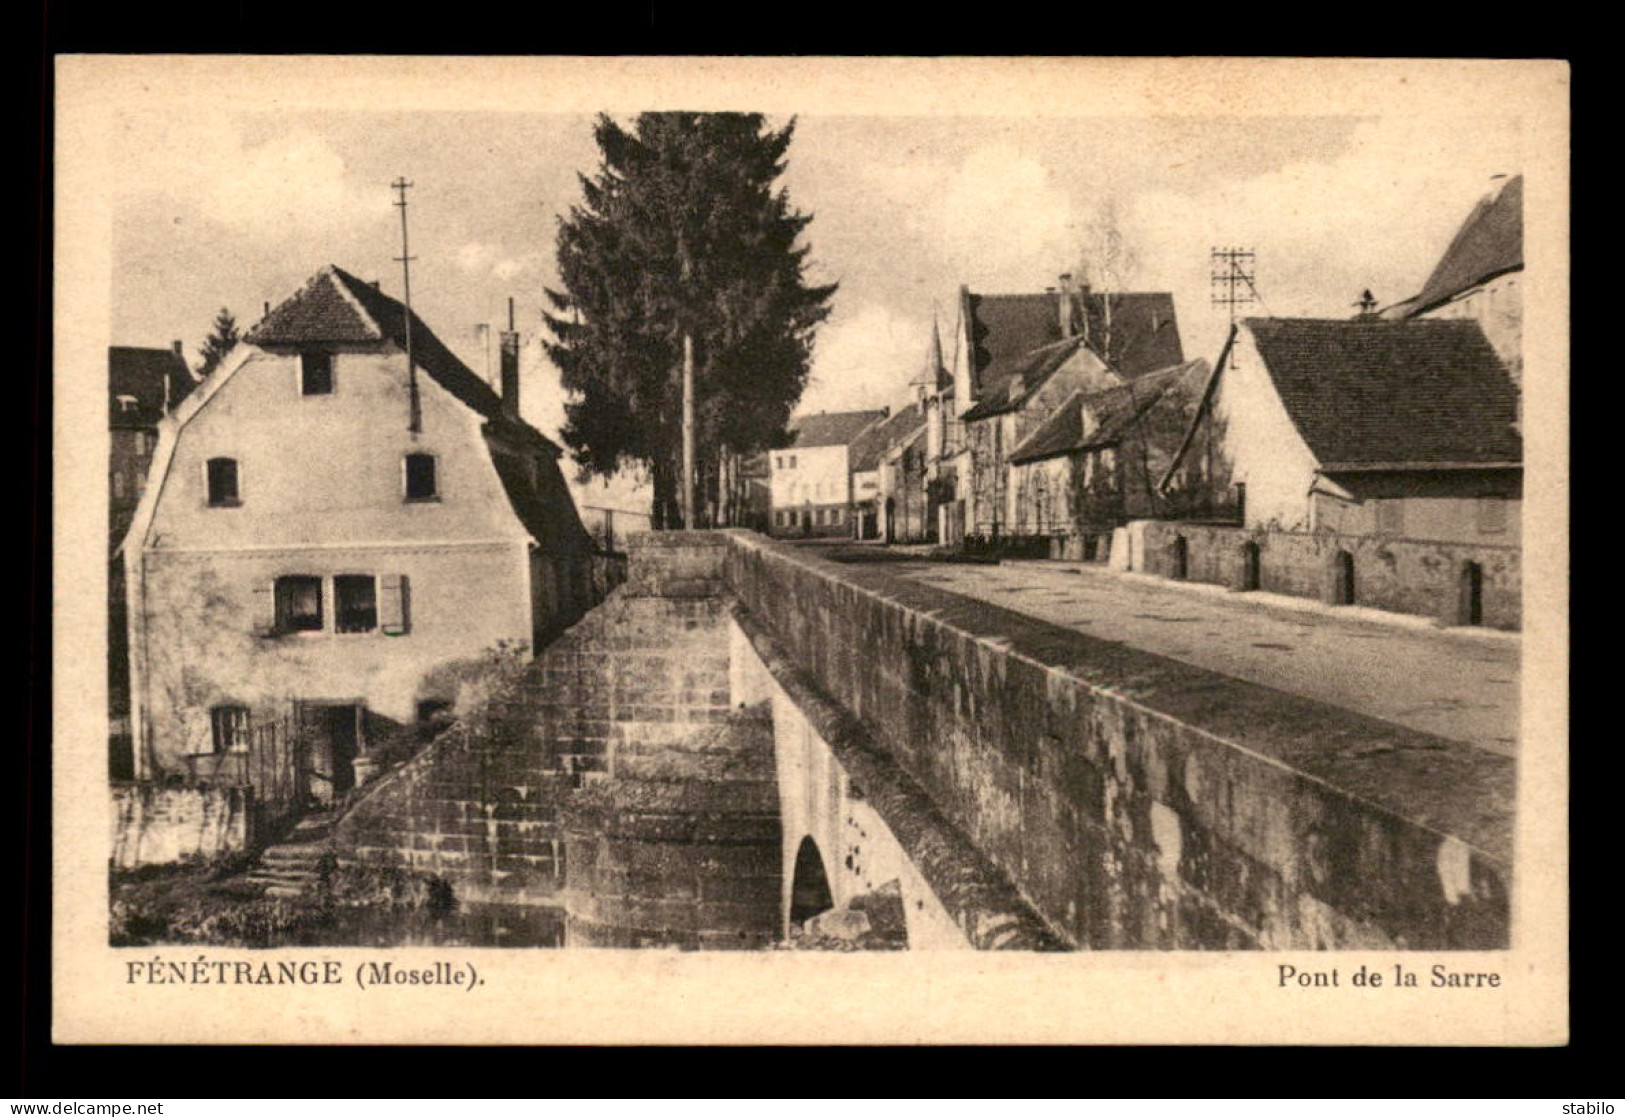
[(748, 744)]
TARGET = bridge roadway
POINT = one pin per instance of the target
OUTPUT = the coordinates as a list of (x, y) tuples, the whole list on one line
[(1460, 684)]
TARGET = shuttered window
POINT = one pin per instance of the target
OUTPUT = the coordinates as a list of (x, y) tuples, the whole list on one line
[(1390, 517), (1492, 516), (299, 604), (355, 603), (394, 604)]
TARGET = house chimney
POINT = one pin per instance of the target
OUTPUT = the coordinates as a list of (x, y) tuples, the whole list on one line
[(1367, 305), (508, 367), (377, 285), (1067, 306)]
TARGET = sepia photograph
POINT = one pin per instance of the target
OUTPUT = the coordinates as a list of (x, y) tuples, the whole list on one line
[(1036, 514)]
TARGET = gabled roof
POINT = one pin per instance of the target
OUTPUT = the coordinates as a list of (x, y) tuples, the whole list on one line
[(142, 375), (834, 428), (872, 444), (336, 308), (1489, 243), (1114, 410), (1020, 376), (1362, 393), (1003, 327)]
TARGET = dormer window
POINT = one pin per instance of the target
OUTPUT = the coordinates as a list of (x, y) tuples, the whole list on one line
[(126, 403), (420, 477), (316, 374), (222, 483)]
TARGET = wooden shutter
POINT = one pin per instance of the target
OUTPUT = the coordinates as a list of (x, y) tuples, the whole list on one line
[(392, 604), (265, 610)]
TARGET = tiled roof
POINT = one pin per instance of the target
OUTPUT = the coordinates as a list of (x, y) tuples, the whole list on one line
[(1020, 376), (1003, 327), (140, 374), (1488, 243), (335, 307), (1114, 409), (1059, 434), (873, 443), (1367, 392), (835, 428), (542, 502)]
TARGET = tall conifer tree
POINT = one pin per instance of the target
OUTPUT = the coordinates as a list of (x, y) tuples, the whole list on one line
[(682, 231)]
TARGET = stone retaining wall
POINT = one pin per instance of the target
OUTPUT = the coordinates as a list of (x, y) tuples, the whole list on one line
[(1401, 575), (158, 825)]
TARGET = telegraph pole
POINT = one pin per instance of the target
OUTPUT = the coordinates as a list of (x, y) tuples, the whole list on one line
[(1233, 271), (414, 417)]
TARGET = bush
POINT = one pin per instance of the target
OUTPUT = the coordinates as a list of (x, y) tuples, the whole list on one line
[(210, 904)]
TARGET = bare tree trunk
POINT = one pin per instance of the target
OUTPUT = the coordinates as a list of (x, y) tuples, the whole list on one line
[(725, 462), (688, 430)]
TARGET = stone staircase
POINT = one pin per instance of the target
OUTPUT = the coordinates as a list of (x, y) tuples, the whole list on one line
[(291, 867)]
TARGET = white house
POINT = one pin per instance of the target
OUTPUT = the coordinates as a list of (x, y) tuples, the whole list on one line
[(1359, 427), (810, 480), (331, 533)]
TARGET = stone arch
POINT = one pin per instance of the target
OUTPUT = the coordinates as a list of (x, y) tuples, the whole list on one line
[(809, 888)]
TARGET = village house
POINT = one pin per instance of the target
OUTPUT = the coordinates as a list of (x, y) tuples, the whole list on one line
[(898, 449), (810, 480), (1095, 463), (143, 385), (1479, 276), (339, 521), (876, 477), (1400, 423), (1404, 429), (1016, 357)]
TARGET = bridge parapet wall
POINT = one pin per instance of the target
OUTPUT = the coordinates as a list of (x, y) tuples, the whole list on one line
[(1138, 802)]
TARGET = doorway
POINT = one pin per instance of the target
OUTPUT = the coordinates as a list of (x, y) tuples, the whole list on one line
[(1471, 609), (333, 738), (1343, 578), (1181, 559), (1250, 579)]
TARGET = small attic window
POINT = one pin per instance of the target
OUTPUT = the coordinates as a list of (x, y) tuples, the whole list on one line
[(221, 475), (420, 477), (126, 403), (316, 374)]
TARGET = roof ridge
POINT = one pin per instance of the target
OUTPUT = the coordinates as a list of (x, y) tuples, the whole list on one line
[(348, 293)]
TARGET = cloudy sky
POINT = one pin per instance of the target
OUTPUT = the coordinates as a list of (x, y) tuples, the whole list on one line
[(233, 209)]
